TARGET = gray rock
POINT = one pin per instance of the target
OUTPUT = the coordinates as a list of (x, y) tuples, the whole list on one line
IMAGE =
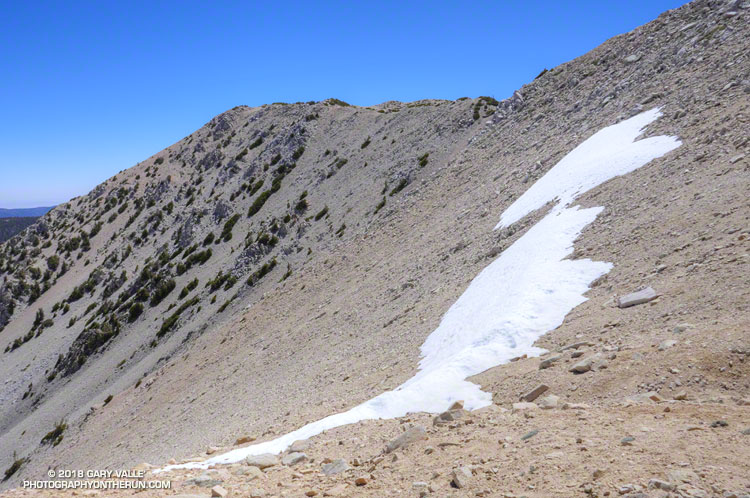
[(529, 435), (627, 441), (524, 406), (549, 361), (584, 365), (461, 477), (746, 432), (680, 328), (455, 412), (262, 461), (635, 298), (204, 481), (664, 345), (548, 402), (535, 393), (412, 435), (293, 458), (299, 446), (632, 59), (576, 345), (659, 484), (335, 467), (250, 472)]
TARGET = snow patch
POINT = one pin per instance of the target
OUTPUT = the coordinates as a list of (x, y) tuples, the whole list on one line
[(527, 291)]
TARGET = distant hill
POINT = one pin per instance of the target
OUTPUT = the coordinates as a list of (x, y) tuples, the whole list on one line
[(24, 212), (13, 225)]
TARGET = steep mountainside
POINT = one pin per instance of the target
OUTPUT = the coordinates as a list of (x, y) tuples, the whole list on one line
[(286, 262)]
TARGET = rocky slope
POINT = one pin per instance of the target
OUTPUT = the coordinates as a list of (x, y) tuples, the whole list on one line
[(327, 241)]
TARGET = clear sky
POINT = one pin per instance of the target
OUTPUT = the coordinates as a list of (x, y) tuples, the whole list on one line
[(90, 88)]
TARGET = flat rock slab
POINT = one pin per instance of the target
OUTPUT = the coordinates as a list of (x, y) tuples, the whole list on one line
[(335, 467), (293, 458), (412, 435), (635, 298), (262, 461), (535, 393)]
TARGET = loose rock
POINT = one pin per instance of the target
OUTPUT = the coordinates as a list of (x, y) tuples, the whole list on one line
[(549, 402), (219, 492), (461, 477), (336, 467), (293, 459), (412, 435), (262, 461), (535, 393), (636, 298)]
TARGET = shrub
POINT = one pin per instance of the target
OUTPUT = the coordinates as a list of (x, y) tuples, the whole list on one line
[(189, 287), (258, 203), (167, 325), (398, 188), (338, 102), (365, 143), (298, 153), (55, 436), (261, 272), (256, 143), (15, 466), (162, 291), (301, 206), (242, 154), (380, 205), (321, 213), (423, 159), (110, 397), (209, 238), (226, 232), (134, 312)]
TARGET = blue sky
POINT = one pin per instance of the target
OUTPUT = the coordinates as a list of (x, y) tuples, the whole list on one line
[(91, 88)]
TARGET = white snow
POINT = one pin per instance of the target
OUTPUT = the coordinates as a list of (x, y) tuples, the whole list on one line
[(524, 293)]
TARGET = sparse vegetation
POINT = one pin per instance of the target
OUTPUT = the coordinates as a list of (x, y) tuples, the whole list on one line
[(15, 466), (399, 187), (321, 213), (226, 232), (380, 205), (55, 436), (167, 325)]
